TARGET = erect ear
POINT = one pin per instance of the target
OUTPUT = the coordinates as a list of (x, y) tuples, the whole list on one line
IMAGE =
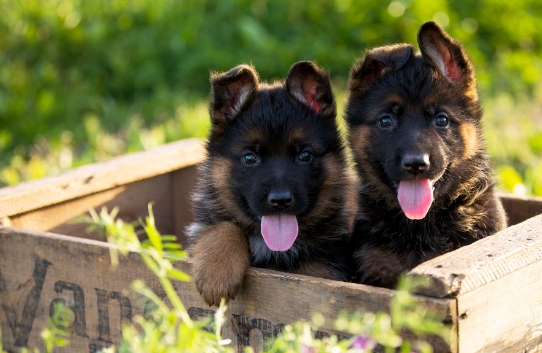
[(310, 85), (230, 91), (376, 63), (446, 55)]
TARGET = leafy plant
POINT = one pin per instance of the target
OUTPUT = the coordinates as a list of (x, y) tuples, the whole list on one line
[(56, 333), (168, 329)]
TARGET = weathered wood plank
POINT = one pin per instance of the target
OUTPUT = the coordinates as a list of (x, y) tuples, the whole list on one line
[(183, 182), (57, 267), (520, 208), (504, 315), (132, 200), (99, 176), (489, 259)]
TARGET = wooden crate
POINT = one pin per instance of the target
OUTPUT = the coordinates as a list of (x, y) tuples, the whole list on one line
[(488, 295)]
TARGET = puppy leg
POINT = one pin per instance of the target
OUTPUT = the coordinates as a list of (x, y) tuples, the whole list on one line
[(378, 266), (220, 256)]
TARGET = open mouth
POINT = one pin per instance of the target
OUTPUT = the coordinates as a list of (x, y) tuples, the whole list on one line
[(279, 231), (415, 197)]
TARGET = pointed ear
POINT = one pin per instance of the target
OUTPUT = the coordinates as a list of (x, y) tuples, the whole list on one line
[(310, 85), (376, 63), (446, 55), (230, 91)]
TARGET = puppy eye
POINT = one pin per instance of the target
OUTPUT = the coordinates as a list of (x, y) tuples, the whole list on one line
[(385, 122), (441, 120), (305, 157), (249, 159)]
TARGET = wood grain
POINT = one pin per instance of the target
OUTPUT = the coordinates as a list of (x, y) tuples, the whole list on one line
[(520, 208), (183, 182), (483, 262), (504, 315), (58, 267), (132, 200), (100, 176)]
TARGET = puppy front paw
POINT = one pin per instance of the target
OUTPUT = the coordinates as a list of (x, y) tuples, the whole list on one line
[(215, 282), (220, 257)]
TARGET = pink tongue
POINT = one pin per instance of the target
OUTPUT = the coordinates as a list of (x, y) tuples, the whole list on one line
[(415, 197), (279, 231)]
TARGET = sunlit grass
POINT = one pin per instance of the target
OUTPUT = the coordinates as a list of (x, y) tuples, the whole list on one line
[(513, 131), (65, 152)]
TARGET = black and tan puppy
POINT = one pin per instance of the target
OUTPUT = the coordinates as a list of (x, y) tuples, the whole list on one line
[(415, 131), (271, 189)]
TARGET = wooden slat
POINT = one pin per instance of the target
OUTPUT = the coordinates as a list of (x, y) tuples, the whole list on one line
[(132, 200), (489, 259), (100, 176), (37, 269), (520, 208), (504, 315), (183, 182)]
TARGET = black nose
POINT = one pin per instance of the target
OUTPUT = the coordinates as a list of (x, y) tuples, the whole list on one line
[(280, 199), (416, 163)]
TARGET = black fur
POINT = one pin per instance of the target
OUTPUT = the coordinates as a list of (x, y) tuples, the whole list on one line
[(276, 123), (413, 91)]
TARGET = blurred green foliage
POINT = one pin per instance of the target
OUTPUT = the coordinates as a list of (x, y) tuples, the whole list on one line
[(83, 80)]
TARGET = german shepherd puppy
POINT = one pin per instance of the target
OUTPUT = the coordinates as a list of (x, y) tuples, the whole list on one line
[(271, 189), (415, 132)]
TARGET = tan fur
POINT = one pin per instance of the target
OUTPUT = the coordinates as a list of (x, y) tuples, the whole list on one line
[(333, 184), (469, 134), (296, 135), (255, 135), (220, 174), (220, 258), (393, 98), (351, 200), (359, 138), (471, 90)]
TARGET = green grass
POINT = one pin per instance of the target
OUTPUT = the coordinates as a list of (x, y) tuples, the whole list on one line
[(513, 130), (63, 152)]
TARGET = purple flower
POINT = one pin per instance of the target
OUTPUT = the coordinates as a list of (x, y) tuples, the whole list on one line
[(305, 349), (363, 342)]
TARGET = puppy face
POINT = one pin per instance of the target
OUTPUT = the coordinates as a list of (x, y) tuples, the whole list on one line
[(272, 148), (414, 120)]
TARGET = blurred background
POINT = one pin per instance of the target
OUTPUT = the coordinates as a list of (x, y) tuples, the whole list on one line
[(84, 80)]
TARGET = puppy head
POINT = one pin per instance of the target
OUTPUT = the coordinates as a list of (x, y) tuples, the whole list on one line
[(275, 149), (414, 120)]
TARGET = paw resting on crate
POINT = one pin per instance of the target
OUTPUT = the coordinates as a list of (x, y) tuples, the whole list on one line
[(220, 256)]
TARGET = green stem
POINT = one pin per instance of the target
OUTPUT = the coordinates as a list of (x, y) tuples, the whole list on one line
[(175, 300)]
